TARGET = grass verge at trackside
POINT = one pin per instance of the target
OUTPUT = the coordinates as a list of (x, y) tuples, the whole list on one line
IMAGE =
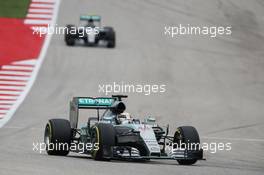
[(14, 8)]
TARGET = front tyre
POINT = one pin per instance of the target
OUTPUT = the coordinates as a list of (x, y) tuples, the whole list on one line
[(110, 37), (103, 138), (111, 41), (69, 36), (187, 135), (57, 137)]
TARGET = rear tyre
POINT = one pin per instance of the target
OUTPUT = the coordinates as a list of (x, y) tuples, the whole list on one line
[(69, 37), (58, 137), (103, 136), (70, 41), (186, 135)]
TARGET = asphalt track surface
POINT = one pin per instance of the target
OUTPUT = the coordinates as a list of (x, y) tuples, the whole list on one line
[(217, 85)]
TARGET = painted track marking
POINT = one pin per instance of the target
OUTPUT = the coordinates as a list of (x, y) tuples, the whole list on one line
[(15, 87)]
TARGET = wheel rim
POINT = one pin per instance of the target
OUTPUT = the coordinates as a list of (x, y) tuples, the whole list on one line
[(177, 137), (47, 137), (94, 140)]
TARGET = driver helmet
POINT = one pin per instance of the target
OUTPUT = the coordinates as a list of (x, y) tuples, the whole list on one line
[(124, 117), (90, 23)]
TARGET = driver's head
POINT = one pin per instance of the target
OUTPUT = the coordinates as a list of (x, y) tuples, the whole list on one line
[(125, 116), (90, 21)]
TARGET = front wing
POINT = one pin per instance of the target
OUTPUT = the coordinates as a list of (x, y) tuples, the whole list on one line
[(176, 155)]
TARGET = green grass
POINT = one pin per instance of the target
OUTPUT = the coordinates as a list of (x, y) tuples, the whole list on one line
[(14, 8)]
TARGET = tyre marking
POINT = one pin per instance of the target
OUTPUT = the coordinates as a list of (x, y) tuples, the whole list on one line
[(98, 137)]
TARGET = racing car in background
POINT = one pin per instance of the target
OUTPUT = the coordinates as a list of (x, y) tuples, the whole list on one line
[(114, 134), (91, 32)]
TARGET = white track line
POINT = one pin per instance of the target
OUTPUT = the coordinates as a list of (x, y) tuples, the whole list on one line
[(12, 87), (3, 110), (13, 78), (50, 1), (6, 97), (9, 92), (13, 83), (6, 102), (31, 62), (6, 106), (15, 73), (41, 5), (40, 60), (235, 139), (20, 127), (36, 21), (32, 15), (40, 10), (5, 67)]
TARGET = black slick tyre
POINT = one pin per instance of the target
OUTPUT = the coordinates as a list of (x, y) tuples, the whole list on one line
[(57, 137), (103, 136), (187, 135)]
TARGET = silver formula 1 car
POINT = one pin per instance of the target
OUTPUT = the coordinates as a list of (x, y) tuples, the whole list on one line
[(114, 134), (90, 32)]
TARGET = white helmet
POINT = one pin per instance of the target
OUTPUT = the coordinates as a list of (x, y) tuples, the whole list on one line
[(123, 117)]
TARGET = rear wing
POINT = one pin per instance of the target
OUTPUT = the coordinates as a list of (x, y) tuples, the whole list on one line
[(88, 103), (113, 103), (90, 17)]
